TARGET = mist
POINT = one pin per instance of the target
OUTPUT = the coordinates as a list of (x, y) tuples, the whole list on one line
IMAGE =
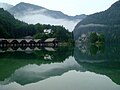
[(34, 17)]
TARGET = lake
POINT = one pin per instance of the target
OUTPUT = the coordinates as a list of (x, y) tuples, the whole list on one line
[(84, 67)]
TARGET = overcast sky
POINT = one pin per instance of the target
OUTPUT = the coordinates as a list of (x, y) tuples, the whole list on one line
[(70, 7)]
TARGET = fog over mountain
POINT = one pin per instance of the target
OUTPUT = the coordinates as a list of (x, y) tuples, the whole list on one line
[(5, 6), (33, 14), (39, 18)]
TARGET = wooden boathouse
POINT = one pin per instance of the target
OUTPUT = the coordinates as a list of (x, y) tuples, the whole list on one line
[(28, 42), (51, 42), (20, 42)]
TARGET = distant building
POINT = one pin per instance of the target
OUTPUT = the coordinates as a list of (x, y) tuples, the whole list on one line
[(47, 57), (47, 31), (82, 38)]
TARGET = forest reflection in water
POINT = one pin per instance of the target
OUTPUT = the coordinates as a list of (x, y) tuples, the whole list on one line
[(26, 67)]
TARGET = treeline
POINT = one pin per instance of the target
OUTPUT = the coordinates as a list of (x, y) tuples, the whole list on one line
[(8, 24), (13, 28), (111, 34), (96, 38), (58, 32)]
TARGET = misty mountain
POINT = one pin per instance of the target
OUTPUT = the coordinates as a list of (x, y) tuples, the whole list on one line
[(22, 7), (33, 14), (5, 6), (106, 22), (13, 28)]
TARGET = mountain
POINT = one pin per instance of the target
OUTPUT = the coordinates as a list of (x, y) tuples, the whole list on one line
[(22, 7), (5, 6), (108, 17), (13, 28), (106, 22), (36, 14)]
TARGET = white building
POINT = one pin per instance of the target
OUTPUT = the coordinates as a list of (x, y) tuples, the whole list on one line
[(47, 31)]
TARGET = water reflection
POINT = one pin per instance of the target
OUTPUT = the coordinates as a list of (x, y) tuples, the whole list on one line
[(92, 53), (33, 73), (71, 80), (45, 59), (101, 60), (75, 66)]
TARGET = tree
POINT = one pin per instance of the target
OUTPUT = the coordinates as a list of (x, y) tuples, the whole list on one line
[(93, 37), (13, 28), (101, 38)]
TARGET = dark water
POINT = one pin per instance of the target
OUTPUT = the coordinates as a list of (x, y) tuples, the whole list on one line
[(65, 68)]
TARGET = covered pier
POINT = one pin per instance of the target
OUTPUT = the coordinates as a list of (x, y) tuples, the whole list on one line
[(51, 42), (28, 42)]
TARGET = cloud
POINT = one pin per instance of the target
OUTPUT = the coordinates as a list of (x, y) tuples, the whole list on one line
[(37, 17)]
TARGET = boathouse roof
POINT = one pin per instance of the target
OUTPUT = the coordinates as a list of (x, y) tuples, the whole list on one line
[(50, 39), (20, 40), (49, 49), (28, 37)]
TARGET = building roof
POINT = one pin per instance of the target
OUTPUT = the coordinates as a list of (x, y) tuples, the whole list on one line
[(26, 40), (10, 40), (49, 49), (1, 39), (50, 39), (28, 37), (83, 35), (47, 29), (20, 40), (36, 40)]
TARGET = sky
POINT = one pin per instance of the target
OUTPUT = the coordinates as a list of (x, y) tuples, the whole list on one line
[(70, 7)]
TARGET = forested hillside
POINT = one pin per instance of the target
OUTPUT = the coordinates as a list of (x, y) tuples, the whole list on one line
[(106, 22), (13, 28)]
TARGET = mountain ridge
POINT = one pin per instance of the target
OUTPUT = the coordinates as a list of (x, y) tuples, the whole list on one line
[(106, 22), (33, 14), (105, 17), (21, 7)]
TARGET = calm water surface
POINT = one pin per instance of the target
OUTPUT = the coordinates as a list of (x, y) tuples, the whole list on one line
[(64, 68)]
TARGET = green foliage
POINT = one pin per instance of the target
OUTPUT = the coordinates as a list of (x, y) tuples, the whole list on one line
[(93, 37), (10, 61), (97, 38), (58, 32), (101, 38), (13, 28), (93, 50), (8, 24)]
